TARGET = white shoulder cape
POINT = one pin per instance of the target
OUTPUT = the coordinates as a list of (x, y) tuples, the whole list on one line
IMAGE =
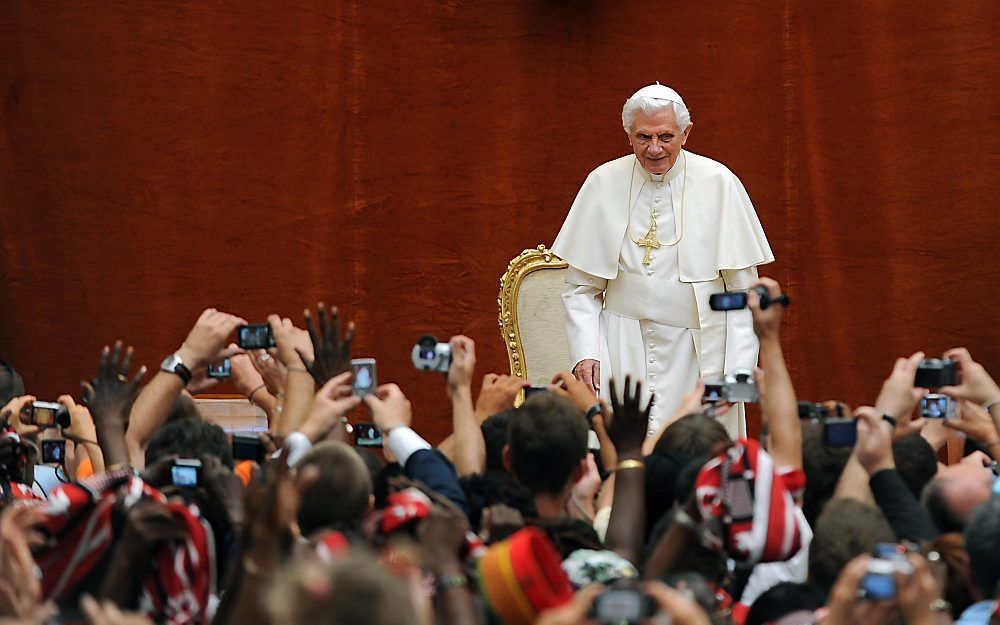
[(721, 228)]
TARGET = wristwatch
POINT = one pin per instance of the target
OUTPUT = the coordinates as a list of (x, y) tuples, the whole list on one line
[(174, 364)]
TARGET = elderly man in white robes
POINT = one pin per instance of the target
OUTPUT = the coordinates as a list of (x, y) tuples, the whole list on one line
[(649, 238)]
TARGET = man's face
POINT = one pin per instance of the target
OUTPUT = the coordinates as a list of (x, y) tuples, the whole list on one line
[(656, 140)]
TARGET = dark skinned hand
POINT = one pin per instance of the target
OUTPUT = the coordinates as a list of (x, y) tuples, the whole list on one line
[(271, 510), (149, 524), (332, 354), (110, 395), (629, 420), (442, 535), (221, 487)]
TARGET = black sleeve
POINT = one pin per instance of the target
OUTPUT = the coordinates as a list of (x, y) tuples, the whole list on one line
[(907, 517), (433, 469)]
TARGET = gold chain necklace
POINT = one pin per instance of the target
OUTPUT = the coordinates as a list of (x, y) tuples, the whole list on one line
[(650, 240)]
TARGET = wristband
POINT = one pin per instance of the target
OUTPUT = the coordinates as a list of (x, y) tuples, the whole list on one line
[(630, 464), (446, 582), (593, 411), (256, 388), (890, 420)]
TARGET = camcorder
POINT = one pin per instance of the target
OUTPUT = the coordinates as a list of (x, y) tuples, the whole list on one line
[(367, 435), (738, 300), (255, 336), (54, 451), (220, 370), (838, 430), (937, 406), (879, 583), (248, 447), (935, 373), (363, 382), (430, 355), (185, 473), (738, 386), (46, 414), (623, 603)]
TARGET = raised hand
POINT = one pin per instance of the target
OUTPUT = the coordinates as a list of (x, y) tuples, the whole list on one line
[(463, 362), (629, 421), (577, 391), (110, 395), (442, 535), (294, 347), (899, 396), (332, 354), (874, 441), (977, 385), (497, 394), (331, 403), (206, 342), (974, 422), (270, 369), (766, 323), (390, 408), (11, 414), (20, 589)]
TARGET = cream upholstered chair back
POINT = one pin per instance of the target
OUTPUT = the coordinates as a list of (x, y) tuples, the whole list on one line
[(532, 319)]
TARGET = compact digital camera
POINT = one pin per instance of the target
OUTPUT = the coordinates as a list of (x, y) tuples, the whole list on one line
[(46, 414), (255, 336), (430, 355), (879, 583), (937, 406), (622, 603), (738, 386), (935, 373)]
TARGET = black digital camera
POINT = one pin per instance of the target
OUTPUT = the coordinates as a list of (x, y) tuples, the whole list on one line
[(255, 336), (935, 373), (738, 300)]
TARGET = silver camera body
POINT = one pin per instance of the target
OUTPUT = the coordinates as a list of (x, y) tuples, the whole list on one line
[(430, 355), (739, 387)]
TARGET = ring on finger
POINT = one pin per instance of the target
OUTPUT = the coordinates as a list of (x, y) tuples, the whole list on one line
[(264, 357)]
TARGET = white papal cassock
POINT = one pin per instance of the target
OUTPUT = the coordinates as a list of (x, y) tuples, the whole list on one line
[(654, 321)]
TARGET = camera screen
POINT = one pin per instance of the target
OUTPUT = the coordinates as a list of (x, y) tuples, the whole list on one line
[(367, 435), (364, 376), (43, 413), (728, 301), (185, 477), (934, 407), (220, 370), (840, 432), (53, 452), (427, 354), (879, 586), (247, 448), (713, 392), (255, 336), (618, 606)]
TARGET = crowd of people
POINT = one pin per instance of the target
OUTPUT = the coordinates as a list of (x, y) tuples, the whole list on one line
[(835, 515)]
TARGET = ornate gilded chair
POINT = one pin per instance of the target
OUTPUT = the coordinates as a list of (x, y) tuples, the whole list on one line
[(532, 321)]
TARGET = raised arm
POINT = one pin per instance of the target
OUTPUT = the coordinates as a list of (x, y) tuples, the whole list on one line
[(470, 448), (779, 406), (205, 343)]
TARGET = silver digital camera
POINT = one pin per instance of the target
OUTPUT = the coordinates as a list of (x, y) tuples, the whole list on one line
[(430, 355)]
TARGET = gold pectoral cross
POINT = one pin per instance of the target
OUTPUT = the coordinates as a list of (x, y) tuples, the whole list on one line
[(650, 242)]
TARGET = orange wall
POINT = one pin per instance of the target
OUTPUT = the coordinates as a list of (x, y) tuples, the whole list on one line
[(392, 156)]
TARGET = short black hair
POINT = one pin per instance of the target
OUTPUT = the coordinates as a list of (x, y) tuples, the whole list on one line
[(493, 487), (982, 542), (916, 461), (783, 599), (190, 438), (11, 384), (547, 439), (338, 497), (495, 431), (822, 465)]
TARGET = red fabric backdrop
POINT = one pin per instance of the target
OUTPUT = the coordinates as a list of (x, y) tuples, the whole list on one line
[(392, 156)]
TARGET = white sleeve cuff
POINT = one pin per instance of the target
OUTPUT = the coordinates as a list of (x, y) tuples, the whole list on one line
[(298, 445), (403, 442)]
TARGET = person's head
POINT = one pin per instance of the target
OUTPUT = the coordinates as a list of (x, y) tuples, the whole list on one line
[(694, 435), (657, 123), (547, 444), (495, 430), (982, 542), (823, 465), (354, 590), (782, 599), (495, 487), (341, 492), (846, 529), (190, 438), (916, 461), (955, 493), (184, 408)]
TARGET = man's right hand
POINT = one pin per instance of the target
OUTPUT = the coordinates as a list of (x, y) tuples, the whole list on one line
[(206, 342), (589, 372)]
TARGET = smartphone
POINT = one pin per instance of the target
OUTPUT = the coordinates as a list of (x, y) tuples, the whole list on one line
[(840, 432), (714, 393), (220, 370), (531, 390), (248, 447), (728, 301), (367, 435), (186, 473), (364, 381), (255, 336), (46, 414), (53, 451), (937, 406)]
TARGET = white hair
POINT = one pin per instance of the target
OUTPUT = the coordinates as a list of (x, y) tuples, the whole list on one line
[(651, 106)]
